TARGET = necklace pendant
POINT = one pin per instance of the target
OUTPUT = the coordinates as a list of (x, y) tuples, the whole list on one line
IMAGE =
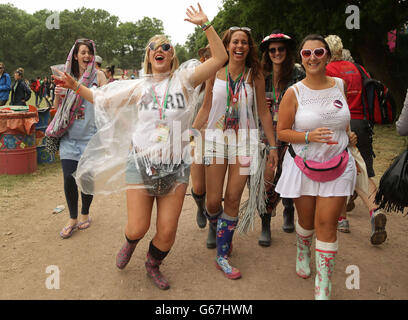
[(234, 100)]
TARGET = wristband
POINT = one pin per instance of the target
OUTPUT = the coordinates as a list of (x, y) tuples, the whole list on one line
[(307, 137), (78, 88), (272, 148), (206, 25)]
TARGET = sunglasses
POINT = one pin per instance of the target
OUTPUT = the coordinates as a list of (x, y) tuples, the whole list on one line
[(84, 41), (279, 49), (240, 28), (165, 46), (318, 53)]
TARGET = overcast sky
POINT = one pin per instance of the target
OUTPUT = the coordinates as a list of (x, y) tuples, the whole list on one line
[(171, 12)]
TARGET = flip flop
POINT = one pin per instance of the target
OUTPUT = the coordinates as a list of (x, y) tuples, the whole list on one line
[(71, 229), (80, 224)]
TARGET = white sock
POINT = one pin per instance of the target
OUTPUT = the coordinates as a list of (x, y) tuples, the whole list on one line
[(303, 232), (327, 246)]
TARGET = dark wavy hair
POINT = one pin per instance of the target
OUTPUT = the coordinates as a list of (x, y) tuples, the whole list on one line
[(252, 60), (75, 65), (111, 69), (287, 65)]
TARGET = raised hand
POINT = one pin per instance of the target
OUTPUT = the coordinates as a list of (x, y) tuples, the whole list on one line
[(196, 17), (64, 80)]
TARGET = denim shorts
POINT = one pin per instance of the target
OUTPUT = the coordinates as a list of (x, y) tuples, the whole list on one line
[(133, 175)]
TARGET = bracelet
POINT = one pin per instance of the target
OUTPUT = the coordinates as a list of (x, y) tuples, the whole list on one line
[(272, 148), (206, 25), (78, 88), (307, 137)]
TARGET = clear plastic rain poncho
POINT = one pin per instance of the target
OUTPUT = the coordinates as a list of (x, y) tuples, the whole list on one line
[(142, 124)]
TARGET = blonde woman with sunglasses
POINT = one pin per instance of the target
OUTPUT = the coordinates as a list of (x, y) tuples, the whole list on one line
[(227, 146), (314, 119), (148, 141)]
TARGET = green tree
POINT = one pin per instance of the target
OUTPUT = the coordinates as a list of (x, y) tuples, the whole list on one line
[(301, 17), (14, 24), (133, 38)]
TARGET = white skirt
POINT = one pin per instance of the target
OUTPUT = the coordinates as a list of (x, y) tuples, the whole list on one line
[(293, 183)]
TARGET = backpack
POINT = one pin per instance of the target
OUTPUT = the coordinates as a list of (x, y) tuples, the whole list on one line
[(377, 100), (37, 86), (393, 188)]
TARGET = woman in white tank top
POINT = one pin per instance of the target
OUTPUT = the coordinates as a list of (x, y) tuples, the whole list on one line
[(314, 118), (232, 94)]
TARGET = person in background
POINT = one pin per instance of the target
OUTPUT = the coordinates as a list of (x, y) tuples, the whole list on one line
[(5, 85), (202, 109), (98, 62), (81, 127), (109, 73), (52, 92), (20, 92), (402, 122), (347, 71), (280, 72), (37, 91), (101, 75), (46, 91)]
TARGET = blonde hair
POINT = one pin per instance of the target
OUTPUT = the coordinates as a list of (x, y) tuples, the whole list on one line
[(336, 47), (159, 40), (346, 54)]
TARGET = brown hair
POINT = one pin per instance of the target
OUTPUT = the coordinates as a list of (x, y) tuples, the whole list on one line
[(252, 57), (287, 66)]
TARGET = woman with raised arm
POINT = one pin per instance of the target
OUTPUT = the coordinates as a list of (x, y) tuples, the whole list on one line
[(228, 144), (318, 171), (150, 148)]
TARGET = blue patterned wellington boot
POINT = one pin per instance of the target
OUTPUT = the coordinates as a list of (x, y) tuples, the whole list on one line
[(303, 255), (225, 230), (325, 261)]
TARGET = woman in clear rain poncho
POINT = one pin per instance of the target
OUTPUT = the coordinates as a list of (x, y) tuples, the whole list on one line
[(142, 143)]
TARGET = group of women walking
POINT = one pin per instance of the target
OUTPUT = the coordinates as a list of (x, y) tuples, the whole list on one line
[(301, 115)]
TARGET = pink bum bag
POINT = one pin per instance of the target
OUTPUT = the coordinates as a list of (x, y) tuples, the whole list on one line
[(322, 171)]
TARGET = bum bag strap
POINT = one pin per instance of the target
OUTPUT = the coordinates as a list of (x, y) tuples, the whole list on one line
[(291, 151)]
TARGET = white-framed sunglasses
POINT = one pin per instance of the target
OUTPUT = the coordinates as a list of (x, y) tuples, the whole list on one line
[(318, 53), (241, 28)]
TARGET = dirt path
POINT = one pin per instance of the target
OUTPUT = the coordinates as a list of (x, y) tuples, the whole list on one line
[(30, 242)]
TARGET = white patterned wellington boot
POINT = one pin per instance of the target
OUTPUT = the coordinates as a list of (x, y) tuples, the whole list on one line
[(325, 261), (303, 255)]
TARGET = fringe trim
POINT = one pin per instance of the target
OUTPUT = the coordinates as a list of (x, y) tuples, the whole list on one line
[(388, 205), (257, 196)]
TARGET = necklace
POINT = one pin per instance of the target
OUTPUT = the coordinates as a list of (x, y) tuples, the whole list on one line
[(163, 105)]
